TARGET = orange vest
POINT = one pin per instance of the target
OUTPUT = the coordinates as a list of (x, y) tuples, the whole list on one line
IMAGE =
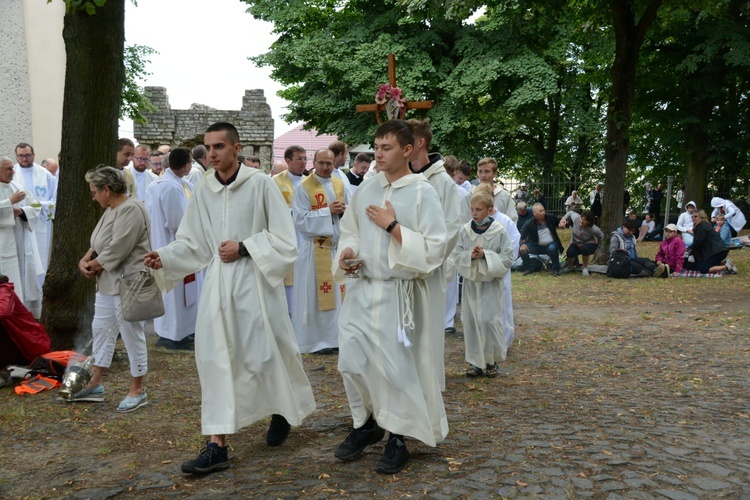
[(36, 385)]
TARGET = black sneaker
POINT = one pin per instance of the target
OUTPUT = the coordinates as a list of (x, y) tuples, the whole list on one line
[(175, 345), (395, 457), (212, 458), (359, 439), (278, 431)]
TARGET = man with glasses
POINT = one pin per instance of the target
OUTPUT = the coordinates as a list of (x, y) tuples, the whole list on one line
[(143, 178), (156, 162), (43, 185)]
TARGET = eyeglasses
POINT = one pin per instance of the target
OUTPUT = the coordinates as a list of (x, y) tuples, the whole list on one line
[(140, 158), (156, 163), (28, 155)]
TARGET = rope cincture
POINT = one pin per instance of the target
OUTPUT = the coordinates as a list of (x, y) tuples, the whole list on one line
[(405, 313)]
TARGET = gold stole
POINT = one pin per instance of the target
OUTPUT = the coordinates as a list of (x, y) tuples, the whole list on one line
[(322, 244), (287, 190)]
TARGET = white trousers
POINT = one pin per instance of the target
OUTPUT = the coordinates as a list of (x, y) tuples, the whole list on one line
[(106, 311), (451, 302)]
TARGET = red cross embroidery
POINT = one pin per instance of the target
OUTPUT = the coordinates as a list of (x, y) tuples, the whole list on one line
[(321, 240), (342, 288), (325, 287)]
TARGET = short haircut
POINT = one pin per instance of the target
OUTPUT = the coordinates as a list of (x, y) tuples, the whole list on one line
[(254, 159), (144, 147), (322, 150), (45, 162), (363, 157), (232, 135), (23, 145), (487, 161), (5, 159), (240, 158), (399, 129), (103, 176), (338, 147), (122, 142), (422, 130), (289, 152), (484, 195), (537, 205), (158, 153), (199, 152), (521, 205), (464, 167), (720, 217), (631, 225), (588, 216), (178, 158), (450, 163)]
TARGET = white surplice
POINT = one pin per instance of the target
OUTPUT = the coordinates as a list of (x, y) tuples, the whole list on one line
[(437, 282), (168, 204), (44, 188), (483, 292), (289, 290), (315, 330), (248, 360), (509, 325), (388, 308), (19, 254), (142, 182)]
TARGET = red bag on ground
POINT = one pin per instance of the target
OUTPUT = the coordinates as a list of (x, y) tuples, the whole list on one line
[(20, 325)]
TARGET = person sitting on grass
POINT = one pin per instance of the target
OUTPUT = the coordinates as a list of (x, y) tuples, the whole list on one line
[(539, 236), (708, 249), (584, 239), (722, 229), (671, 251), (483, 256), (647, 227), (624, 239)]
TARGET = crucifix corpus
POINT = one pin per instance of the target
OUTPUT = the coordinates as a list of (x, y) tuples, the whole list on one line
[(389, 98)]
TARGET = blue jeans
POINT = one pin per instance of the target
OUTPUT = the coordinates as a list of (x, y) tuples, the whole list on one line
[(553, 250)]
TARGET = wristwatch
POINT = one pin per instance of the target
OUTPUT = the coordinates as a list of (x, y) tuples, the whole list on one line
[(243, 250)]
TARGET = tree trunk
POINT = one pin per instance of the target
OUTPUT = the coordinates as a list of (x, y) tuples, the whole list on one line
[(629, 38), (94, 46), (696, 175)]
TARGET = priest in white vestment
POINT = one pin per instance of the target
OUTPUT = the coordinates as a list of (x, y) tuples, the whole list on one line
[(142, 176), (385, 345), (317, 207), (38, 181), (238, 227), (431, 166), (287, 181), (19, 254), (169, 200)]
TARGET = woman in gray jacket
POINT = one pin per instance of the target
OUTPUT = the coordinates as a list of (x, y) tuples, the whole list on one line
[(119, 244)]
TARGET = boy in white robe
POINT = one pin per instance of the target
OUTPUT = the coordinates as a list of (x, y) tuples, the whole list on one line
[(238, 227), (483, 256), (394, 225)]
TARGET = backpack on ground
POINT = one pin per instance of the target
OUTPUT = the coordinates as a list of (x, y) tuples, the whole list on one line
[(619, 265), (53, 364)]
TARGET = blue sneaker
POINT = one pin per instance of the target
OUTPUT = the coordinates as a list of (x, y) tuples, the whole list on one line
[(131, 403), (94, 394)]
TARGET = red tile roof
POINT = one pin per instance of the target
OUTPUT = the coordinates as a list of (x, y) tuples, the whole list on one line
[(308, 139)]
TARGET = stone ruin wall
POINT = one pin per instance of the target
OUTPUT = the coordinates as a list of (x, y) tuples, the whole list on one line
[(185, 127)]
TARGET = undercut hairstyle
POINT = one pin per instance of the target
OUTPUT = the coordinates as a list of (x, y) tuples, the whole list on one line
[(422, 130), (338, 147), (179, 158), (199, 152), (588, 216), (103, 176), (289, 152), (631, 225), (484, 195), (450, 163), (363, 157), (254, 159), (464, 167), (122, 142), (22, 145), (487, 161), (232, 135), (144, 147), (399, 129)]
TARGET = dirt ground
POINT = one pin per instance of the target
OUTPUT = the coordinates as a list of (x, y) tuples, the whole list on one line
[(596, 399)]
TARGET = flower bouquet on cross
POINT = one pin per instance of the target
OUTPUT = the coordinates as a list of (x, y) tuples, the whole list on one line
[(393, 100)]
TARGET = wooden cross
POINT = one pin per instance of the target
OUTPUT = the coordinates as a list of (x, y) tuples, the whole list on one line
[(378, 108)]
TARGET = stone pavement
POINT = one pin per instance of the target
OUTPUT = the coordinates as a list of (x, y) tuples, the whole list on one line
[(584, 408)]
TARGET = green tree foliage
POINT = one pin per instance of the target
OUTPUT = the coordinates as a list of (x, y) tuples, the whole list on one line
[(134, 101)]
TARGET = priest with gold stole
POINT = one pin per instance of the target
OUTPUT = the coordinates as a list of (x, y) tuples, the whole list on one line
[(318, 205)]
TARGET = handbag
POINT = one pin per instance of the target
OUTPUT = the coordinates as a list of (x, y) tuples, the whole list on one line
[(143, 302)]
